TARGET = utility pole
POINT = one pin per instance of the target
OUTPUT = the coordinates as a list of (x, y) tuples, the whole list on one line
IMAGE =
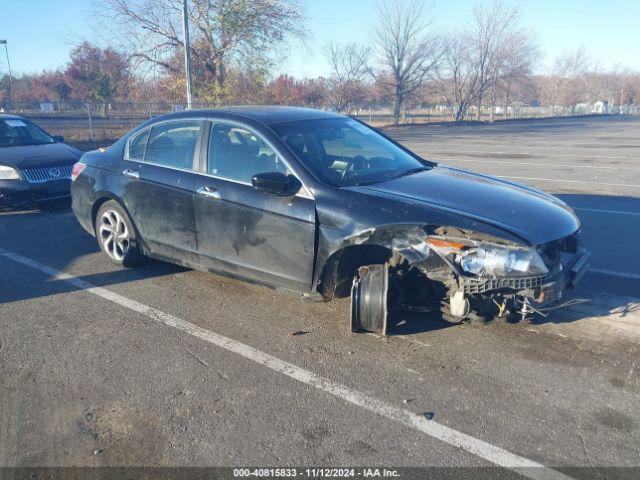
[(6, 50), (187, 54)]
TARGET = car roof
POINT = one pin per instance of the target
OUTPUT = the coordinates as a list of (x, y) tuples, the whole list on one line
[(268, 115), (9, 116)]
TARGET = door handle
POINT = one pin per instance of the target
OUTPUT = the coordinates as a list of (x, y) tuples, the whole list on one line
[(209, 192), (131, 173)]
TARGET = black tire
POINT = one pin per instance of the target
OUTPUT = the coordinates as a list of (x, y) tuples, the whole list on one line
[(117, 236), (369, 299)]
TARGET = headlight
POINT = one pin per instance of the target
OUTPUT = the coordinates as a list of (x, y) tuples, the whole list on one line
[(8, 173), (490, 260), (502, 262)]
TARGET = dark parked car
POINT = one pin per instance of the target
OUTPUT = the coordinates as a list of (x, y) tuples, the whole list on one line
[(324, 205), (34, 166)]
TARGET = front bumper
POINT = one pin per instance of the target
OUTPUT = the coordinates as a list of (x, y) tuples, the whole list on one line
[(542, 288), (16, 191)]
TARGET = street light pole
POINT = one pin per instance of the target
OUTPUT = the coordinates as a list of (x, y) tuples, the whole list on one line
[(187, 54), (6, 50)]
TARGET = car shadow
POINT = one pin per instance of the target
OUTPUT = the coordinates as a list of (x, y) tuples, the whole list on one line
[(60, 252), (39, 288), (622, 203), (51, 206), (589, 307), (405, 322), (581, 307)]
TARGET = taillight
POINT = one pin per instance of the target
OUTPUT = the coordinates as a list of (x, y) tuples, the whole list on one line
[(77, 170)]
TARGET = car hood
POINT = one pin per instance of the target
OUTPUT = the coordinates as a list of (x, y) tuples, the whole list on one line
[(532, 215), (33, 156)]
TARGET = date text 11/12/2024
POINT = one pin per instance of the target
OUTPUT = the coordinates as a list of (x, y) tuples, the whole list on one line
[(316, 472)]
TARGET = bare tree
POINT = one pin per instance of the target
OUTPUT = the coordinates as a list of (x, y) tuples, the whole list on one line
[(514, 69), (223, 31), (349, 65), (571, 64), (567, 83), (493, 50), (457, 81), (408, 50), (569, 77)]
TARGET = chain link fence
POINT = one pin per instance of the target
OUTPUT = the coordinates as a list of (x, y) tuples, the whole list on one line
[(94, 123), (487, 113), (377, 114), (96, 109)]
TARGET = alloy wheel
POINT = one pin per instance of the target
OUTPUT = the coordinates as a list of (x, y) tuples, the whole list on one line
[(114, 235)]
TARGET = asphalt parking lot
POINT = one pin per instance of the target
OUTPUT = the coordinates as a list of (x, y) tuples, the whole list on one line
[(166, 366)]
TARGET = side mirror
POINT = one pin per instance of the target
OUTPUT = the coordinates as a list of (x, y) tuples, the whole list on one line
[(58, 138), (275, 183)]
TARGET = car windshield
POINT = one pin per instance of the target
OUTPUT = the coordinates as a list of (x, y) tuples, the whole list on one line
[(17, 131), (344, 152)]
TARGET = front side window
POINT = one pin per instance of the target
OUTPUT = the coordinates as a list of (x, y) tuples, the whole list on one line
[(238, 154), (344, 152), (173, 144), (16, 132)]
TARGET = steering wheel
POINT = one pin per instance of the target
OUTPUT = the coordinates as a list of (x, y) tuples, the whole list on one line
[(350, 164)]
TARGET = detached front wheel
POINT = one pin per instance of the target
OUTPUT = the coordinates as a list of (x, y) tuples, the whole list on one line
[(117, 236), (369, 299)]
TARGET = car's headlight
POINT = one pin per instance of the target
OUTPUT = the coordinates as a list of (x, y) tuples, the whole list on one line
[(490, 260), (502, 262), (8, 173)]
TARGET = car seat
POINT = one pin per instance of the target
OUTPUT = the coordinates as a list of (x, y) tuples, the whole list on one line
[(296, 143)]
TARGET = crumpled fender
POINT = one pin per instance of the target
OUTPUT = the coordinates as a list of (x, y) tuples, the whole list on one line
[(405, 240), (402, 241)]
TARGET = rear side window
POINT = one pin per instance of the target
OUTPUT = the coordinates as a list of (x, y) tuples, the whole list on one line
[(173, 144), (137, 144)]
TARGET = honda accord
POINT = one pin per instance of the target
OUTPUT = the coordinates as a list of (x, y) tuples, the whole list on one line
[(324, 205)]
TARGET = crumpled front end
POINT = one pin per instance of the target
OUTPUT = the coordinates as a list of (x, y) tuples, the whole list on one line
[(463, 274), (490, 277)]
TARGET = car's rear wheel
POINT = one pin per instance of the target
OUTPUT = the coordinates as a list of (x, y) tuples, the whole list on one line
[(116, 235)]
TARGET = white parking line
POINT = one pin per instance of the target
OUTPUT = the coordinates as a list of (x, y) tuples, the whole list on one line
[(613, 273), (612, 212), (475, 446), (550, 155), (553, 165), (569, 181)]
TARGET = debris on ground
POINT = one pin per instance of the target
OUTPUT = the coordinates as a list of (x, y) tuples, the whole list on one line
[(298, 333)]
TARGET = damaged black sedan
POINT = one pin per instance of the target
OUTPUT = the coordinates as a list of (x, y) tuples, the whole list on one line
[(324, 205)]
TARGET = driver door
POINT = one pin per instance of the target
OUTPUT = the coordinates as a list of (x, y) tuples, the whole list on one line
[(269, 238)]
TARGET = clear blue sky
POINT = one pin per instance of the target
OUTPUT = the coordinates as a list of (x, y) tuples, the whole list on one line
[(41, 32)]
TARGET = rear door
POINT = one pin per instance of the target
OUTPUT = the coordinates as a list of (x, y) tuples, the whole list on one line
[(266, 237), (160, 187)]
